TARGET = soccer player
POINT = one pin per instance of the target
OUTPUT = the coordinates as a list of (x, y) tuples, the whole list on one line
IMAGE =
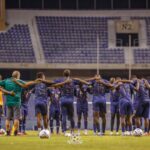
[(67, 87), (125, 104), (99, 88), (24, 110), (54, 109), (135, 101), (1, 104), (82, 105), (144, 104), (41, 99), (3, 91), (114, 107), (13, 103)]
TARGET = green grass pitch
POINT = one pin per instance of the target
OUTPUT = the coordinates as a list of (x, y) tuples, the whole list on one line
[(59, 142)]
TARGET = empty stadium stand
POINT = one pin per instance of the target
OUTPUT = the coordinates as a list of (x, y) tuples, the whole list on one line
[(69, 40), (16, 45), (74, 39), (142, 56)]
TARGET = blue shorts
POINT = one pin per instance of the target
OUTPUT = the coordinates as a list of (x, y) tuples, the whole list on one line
[(41, 108), (114, 108), (54, 112), (66, 99), (82, 108), (24, 110), (143, 110), (67, 109), (135, 105), (99, 104), (126, 107)]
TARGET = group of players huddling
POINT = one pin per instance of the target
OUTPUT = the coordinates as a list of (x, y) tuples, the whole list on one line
[(130, 102)]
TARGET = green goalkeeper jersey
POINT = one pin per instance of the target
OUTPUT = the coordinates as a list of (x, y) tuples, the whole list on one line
[(9, 85)]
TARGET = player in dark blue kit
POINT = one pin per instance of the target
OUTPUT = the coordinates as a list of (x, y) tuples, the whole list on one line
[(41, 100), (144, 104), (24, 110), (67, 88), (114, 107), (148, 79), (99, 88), (125, 104), (135, 100), (54, 109), (82, 105)]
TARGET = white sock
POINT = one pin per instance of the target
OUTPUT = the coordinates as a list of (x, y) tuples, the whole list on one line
[(39, 129)]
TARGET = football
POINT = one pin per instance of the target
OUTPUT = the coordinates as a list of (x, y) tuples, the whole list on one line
[(137, 132), (2, 132), (44, 134)]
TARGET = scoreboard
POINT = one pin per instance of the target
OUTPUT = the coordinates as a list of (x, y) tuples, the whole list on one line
[(127, 26), (2, 14)]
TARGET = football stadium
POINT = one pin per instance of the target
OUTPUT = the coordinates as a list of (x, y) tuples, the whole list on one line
[(75, 74)]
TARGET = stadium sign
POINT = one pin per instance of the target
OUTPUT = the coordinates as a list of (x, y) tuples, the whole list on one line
[(127, 26)]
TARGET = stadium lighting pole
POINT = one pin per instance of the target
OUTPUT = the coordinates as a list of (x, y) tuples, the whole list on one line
[(129, 59), (98, 54)]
